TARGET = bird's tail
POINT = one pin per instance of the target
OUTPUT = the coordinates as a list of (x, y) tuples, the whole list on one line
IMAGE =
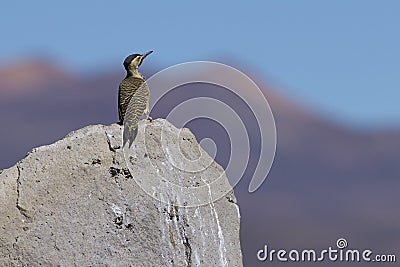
[(130, 133)]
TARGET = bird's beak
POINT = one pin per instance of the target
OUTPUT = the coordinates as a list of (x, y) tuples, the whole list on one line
[(146, 54)]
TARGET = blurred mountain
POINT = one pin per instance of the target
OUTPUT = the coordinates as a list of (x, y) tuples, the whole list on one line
[(23, 76), (327, 181)]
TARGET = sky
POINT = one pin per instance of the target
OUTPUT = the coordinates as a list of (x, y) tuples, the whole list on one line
[(341, 58)]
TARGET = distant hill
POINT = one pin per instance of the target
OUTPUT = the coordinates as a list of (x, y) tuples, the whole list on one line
[(23, 76)]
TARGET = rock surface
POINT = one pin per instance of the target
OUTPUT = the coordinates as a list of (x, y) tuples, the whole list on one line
[(75, 202)]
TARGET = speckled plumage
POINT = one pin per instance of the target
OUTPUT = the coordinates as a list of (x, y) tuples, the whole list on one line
[(133, 102), (133, 87)]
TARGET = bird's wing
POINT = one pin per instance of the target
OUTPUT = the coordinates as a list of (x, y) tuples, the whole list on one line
[(127, 88)]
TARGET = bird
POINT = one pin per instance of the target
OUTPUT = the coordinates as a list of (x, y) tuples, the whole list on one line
[(133, 97)]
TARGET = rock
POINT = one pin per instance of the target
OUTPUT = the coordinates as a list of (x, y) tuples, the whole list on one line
[(77, 202)]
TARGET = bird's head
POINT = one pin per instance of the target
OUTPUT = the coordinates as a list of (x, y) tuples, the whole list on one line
[(132, 62)]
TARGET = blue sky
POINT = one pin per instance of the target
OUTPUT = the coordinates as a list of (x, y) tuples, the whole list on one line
[(340, 57)]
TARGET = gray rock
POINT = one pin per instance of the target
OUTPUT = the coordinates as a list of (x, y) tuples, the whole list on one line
[(77, 202)]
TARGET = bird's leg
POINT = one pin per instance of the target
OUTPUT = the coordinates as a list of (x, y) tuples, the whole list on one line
[(146, 111)]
